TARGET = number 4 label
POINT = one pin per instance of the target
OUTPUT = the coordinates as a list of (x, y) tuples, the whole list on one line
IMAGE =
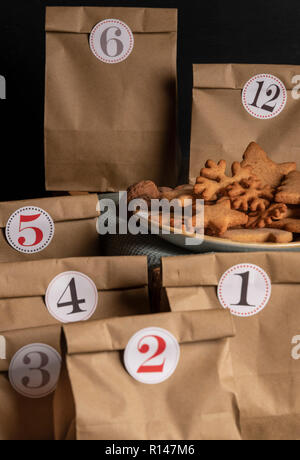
[(152, 355), (29, 230), (72, 297)]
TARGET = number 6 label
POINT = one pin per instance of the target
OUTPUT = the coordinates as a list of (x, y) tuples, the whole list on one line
[(264, 96), (245, 290), (29, 230), (152, 355), (111, 41)]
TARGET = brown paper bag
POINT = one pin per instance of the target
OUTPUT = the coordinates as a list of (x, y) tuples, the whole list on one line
[(22, 418), (122, 289), (264, 351), (110, 125), (196, 402), (221, 126), (75, 232)]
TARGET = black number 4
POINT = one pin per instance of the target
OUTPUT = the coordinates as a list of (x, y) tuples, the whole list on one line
[(75, 302)]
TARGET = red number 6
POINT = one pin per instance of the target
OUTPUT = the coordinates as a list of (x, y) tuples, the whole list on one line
[(161, 346)]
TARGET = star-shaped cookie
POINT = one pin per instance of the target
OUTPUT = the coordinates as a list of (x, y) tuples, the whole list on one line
[(266, 170)]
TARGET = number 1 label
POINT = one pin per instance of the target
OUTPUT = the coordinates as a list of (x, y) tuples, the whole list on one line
[(245, 290)]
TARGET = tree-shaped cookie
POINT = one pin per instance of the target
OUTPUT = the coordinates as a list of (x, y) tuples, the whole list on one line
[(266, 170), (213, 179), (289, 190), (249, 195), (265, 218)]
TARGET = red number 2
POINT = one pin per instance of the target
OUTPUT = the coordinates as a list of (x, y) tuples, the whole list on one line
[(38, 232), (161, 346)]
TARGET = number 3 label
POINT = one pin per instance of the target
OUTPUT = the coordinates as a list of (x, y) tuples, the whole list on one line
[(245, 290), (34, 370), (152, 355), (111, 41), (264, 96), (29, 230)]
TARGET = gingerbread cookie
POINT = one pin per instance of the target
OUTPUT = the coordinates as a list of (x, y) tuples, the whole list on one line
[(219, 218), (266, 170), (265, 218), (289, 190), (249, 195), (288, 224), (213, 179), (259, 235), (146, 190)]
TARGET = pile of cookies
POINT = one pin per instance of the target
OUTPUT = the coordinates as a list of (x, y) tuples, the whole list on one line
[(258, 203)]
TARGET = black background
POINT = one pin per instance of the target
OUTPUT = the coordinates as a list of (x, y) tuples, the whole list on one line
[(253, 31)]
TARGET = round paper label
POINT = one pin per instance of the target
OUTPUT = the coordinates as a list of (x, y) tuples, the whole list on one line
[(264, 96), (111, 41), (29, 230), (245, 289), (34, 370), (152, 355), (72, 297)]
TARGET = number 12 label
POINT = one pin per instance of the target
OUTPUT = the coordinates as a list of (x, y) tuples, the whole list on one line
[(152, 355), (29, 230), (245, 290), (264, 96)]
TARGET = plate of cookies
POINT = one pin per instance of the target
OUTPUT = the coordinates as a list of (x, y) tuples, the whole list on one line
[(255, 208)]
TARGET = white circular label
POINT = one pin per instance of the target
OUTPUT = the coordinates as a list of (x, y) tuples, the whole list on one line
[(72, 297), (245, 290), (111, 41), (152, 355), (264, 96), (34, 370), (29, 229)]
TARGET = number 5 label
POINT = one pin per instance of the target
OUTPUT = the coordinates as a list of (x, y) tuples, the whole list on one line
[(264, 96), (245, 290), (29, 230), (152, 355)]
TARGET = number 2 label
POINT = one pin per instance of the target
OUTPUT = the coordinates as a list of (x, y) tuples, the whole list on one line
[(29, 230), (152, 355)]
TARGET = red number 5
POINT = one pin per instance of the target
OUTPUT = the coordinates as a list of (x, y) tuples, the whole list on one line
[(161, 346), (38, 232)]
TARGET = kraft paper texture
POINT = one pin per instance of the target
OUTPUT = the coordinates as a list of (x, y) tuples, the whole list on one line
[(122, 287), (197, 402), (75, 232), (222, 128), (266, 375), (108, 126)]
